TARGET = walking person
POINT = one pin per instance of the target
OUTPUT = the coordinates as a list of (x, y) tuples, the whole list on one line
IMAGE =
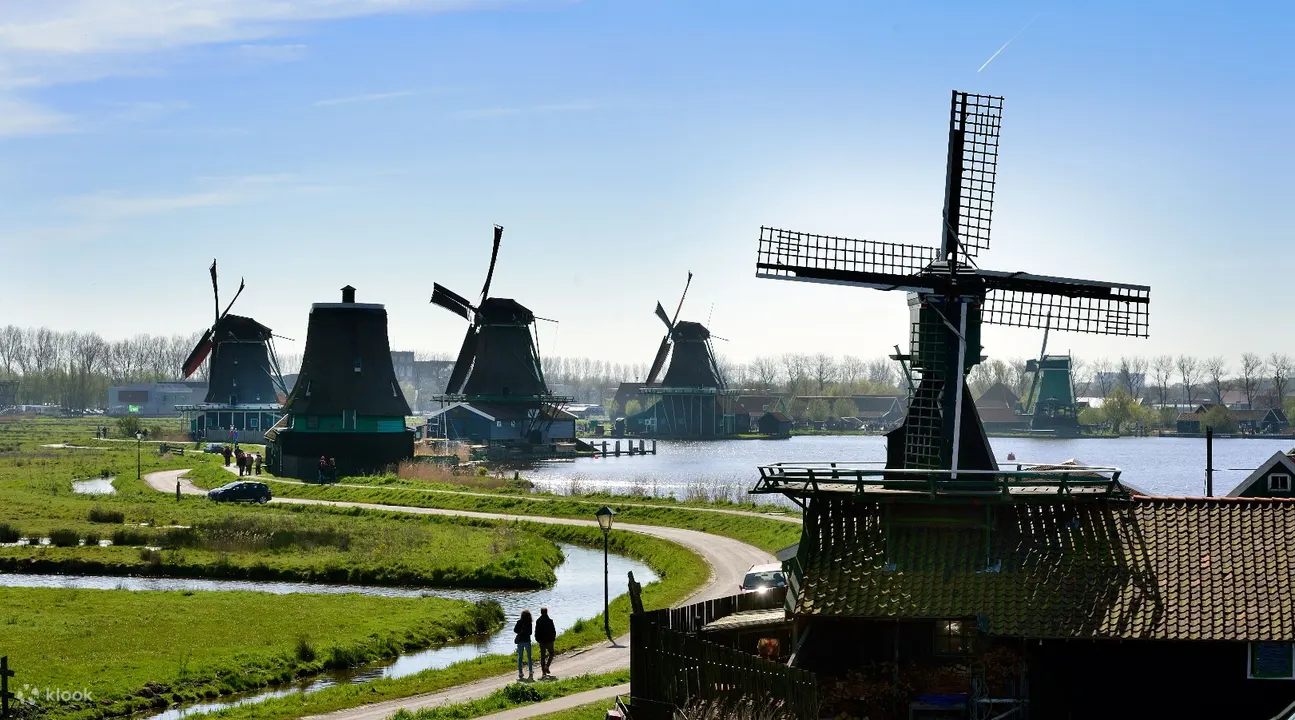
[(545, 635), (323, 469), (258, 463), (332, 470), (523, 640), (228, 453)]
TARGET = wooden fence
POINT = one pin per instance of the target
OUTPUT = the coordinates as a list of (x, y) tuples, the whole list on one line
[(671, 666)]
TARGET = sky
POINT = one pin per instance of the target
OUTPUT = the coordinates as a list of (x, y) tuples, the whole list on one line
[(311, 144)]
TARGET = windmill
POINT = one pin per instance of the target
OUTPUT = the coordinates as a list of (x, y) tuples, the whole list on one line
[(691, 394), (950, 297), (498, 362), (1051, 400), (243, 377)]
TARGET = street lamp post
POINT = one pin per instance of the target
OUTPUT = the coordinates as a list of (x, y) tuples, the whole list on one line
[(605, 516), (139, 455)]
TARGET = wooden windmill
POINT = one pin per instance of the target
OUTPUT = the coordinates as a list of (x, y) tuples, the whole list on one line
[(950, 297)]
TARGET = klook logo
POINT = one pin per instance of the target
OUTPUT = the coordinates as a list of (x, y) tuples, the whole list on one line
[(31, 695)]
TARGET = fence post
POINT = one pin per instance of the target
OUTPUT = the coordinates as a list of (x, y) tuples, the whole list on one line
[(5, 695)]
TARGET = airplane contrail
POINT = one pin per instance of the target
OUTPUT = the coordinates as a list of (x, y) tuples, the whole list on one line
[(1009, 41)]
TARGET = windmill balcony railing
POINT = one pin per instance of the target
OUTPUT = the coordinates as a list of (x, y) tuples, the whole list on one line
[(1014, 480)]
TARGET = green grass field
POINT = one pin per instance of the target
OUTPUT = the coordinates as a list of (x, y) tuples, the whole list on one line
[(231, 541), (137, 650), (592, 711), (517, 695)]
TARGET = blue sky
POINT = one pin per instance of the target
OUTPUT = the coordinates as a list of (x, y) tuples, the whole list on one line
[(313, 143)]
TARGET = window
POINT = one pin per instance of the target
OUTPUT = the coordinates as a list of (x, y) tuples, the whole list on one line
[(357, 363), (348, 419), (1279, 482), (953, 637), (1271, 661)]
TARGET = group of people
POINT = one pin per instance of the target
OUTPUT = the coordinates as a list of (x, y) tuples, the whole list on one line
[(545, 634), (247, 462), (327, 470)]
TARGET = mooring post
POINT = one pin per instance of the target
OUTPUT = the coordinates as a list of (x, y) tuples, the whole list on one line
[(654, 446), (618, 447), (5, 695), (1209, 462)]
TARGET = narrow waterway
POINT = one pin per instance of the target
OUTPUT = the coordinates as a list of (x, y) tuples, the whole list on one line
[(577, 594)]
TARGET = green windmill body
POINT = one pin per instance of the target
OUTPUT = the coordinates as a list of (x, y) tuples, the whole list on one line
[(1050, 403), (950, 297)]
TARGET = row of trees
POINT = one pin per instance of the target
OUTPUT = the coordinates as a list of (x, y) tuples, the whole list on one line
[(75, 369)]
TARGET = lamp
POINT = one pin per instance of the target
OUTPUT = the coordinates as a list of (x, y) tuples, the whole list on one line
[(605, 516)]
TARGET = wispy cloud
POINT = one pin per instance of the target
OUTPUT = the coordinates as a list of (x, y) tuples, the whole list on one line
[(56, 42), (576, 106), (114, 205), (272, 53), (369, 97), (145, 110)]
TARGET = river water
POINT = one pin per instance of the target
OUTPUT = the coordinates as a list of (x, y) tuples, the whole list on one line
[(578, 593), (727, 468)]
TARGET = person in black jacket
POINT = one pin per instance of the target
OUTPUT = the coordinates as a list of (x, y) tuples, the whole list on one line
[(523, 640), (545, 635)]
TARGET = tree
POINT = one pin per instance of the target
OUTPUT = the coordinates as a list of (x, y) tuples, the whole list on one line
[(796, 369), (817, 409), (1252, 368), (881, 372), (1080, 378), (1117, 409), (823, 367), (128, 425), (1279, 364), (1019, 378), (1189, 371), (1103, 377), (1133, 375), (1220, 418), (851, 370), (844, 407), (1216, 376), (764, 372), (1162, 372), (633, 407)]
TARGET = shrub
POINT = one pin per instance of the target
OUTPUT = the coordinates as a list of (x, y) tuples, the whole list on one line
[(305, 651), (92, 539), (150, 555), (130, 536), (520, 693), (127, 426), (104, 515), (64, 538), (9, 533)]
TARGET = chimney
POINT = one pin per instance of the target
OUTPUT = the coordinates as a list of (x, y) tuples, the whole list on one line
[(348, 295)]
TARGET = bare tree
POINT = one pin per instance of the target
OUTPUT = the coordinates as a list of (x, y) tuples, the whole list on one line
[(1162, 371), (1019, 378), (1279, 364), (882, 371), (764, 372), (796, 369), (1216, 376), (11, 344), (852, 369), (823, 367), (1133, 375), (1189, 372), (1080, 377), (1103, 377), (1252, 370)]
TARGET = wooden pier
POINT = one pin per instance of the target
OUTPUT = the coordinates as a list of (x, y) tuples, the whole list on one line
[(631, 448)]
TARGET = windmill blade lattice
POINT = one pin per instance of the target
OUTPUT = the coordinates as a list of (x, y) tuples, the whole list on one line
[(974, 122)]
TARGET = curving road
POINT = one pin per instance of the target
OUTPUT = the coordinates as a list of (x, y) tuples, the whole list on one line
[(728, 559)]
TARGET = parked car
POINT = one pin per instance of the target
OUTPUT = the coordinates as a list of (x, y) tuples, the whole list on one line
[(216, 448), (241, 491), (762, 577)]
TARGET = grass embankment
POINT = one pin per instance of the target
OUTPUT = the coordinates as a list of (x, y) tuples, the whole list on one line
[(592, 711), (681, 572), (769, 534), (133, 651), (297, 543), (517, 695)]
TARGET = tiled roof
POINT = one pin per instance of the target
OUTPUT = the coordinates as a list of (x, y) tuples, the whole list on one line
[(1162, 568)]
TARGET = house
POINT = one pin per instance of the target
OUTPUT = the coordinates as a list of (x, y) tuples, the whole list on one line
[(1271, 479), (157, 399), (997, 407), (1261, 422), (775, 424), (628, 391), (502, 423), (879, 412), (767, 402)]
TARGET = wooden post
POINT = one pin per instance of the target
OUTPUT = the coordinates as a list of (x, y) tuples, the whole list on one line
[(5, 695), (1209, 462), (618, 447), (636, 594)]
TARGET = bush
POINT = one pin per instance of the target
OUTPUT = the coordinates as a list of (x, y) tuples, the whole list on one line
[(130, 536), (64, 538), (9, 533), (128, 425), (92, 539), (104, 515), (305, 651), (150, 555), (521, 693)]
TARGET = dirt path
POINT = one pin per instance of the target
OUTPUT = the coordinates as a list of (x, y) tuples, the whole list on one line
[(728, 559)]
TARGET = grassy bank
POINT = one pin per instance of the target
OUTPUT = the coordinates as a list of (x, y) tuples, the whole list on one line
[(592, 711), (681, 572), (138, 650), (516, 695), (769, 534)]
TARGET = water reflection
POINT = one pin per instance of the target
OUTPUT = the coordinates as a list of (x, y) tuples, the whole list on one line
[(94, 486)]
